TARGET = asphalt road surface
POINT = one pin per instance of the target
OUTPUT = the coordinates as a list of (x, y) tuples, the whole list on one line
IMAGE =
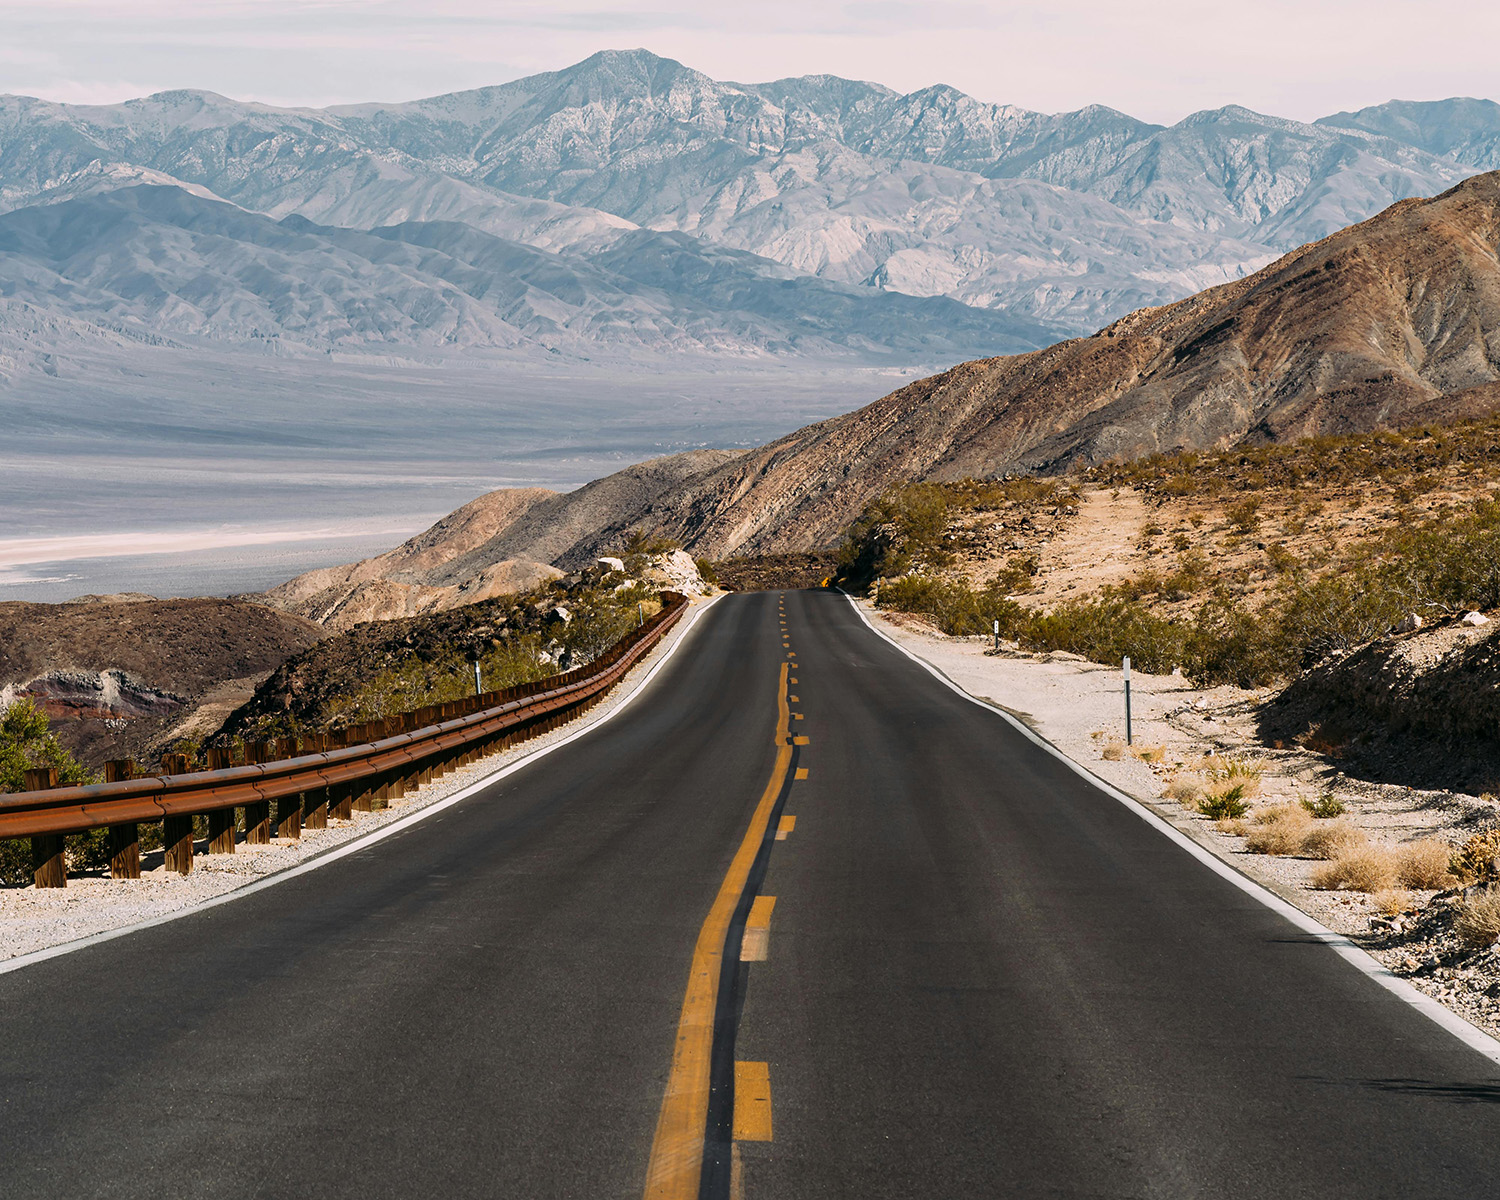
[(982, 977)]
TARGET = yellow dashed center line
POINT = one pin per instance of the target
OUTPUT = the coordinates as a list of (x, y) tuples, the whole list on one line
[(677, 1149), (786, 826), (756, 944), (752, 1102)]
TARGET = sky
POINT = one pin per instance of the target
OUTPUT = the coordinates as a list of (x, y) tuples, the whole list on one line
[(1155, 59)]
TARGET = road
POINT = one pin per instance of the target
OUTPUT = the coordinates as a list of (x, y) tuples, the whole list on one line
[(982, 977)]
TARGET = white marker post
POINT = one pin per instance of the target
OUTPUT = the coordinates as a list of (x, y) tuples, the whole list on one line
[(997, 637), (1128, 740), (478, 685)]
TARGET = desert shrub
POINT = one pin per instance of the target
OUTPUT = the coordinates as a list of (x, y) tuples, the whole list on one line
[(900, 529), (645, 543), (1476, 860), (957, 608), (26, 742), (1325, 806), (1184, 789), (1329, 839), (1393, 901), (1107, 629), (707, 570), (1242, 772), (1017, 574), (1229, 802), (1477, 922), (1150, 754), (1115, 750), (1423, 864), (1244, 515), (1366, 868), (1277, 830)]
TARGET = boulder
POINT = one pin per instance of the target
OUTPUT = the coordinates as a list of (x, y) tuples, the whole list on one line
[(1475, 618), (611, 564), (1408, 624)]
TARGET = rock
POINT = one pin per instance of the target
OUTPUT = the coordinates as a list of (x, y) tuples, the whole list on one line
[(1475, 618), (1408, 624), (676, 571), (611, 564)]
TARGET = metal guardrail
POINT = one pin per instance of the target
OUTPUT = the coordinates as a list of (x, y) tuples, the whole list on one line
[(388, 758)]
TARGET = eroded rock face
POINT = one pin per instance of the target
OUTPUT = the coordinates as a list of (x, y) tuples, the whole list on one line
[(1420, 708), (116, 675), (110, 696)]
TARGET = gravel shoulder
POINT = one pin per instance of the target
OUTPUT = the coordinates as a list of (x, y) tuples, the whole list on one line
[(92, 903), (1079, 707)]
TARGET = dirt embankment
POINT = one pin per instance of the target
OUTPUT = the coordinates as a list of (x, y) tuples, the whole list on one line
[(117, 678), (1421, 709)]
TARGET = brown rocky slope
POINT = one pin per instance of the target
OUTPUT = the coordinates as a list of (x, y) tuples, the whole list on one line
[(1385, 324), (116, 677)]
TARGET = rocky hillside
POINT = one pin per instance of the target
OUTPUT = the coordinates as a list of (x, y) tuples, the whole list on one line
[(1388, 323), (499, 544), (116, 674)]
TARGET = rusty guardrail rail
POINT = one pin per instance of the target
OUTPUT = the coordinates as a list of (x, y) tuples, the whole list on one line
[(385, 760)]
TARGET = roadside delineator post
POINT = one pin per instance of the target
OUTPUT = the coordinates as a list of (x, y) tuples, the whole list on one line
[(124, 840), (997, 636), (1129, 741), (49, 860)]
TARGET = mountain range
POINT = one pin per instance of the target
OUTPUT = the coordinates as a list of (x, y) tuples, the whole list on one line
[(631, 205), (1389, 323)]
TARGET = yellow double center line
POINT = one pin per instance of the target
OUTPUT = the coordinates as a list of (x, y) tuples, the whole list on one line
[(677, 1150)]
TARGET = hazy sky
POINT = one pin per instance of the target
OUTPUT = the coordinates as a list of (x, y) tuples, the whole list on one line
[(1156, 59)]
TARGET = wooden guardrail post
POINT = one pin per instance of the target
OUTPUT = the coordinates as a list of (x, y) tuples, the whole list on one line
[(124, 840), (363, 793), (340, 795), (257, 812), (220, 820), (288, 808), (49, 856), (177, 829), (315, 800)]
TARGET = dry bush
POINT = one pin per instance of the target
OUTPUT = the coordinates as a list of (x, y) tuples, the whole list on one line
[(1329, 839), (1278, 830), (1365, 868), (1184, 789), (1476, 860), (1234, 772), (1478, 920), (1424, 864), (1393, 902), (1234, 826), (1115, 751), (1150, 754)]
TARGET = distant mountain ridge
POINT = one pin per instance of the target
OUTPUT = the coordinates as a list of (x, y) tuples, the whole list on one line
[(1058, 222)]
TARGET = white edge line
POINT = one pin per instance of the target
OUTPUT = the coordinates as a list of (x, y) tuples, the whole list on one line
[(1471, 1036), (358, 844)]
